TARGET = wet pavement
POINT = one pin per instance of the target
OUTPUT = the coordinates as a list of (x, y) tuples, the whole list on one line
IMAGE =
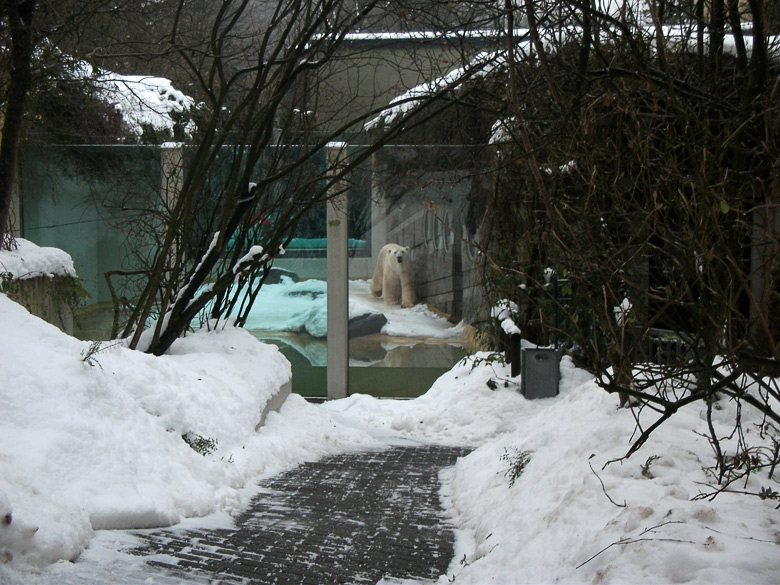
[(352, 518)]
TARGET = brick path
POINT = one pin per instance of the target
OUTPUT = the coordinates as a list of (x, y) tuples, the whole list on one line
[(354, 518)]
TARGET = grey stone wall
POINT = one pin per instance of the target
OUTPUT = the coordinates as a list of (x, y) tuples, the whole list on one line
[(426, 192)]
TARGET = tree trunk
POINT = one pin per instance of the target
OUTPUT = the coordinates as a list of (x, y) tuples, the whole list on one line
[(20, 17)]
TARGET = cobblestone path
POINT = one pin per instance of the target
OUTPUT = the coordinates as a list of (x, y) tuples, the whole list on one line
[(354, 518)]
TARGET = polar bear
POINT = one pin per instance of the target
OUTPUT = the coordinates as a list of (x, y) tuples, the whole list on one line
[(394, 276)]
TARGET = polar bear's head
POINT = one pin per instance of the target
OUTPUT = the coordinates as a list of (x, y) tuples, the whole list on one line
[(398, 253)]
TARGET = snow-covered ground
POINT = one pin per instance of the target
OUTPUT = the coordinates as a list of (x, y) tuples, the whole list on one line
[(294, 314), (91, 444), (302, 306)]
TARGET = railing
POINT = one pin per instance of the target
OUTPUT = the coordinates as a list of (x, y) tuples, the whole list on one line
[(662, 346)]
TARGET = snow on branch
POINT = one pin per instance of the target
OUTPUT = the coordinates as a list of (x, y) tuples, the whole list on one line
[(143, 101), (503, 312), (255, 254)]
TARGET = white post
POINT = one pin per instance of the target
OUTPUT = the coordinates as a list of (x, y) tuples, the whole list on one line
[(338, 283)]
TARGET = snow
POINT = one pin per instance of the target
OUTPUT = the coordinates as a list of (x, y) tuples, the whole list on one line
[(479, 65), (485, 62), (428, 35), (142, 100), (27, 260), (302, 306), (623, 312), (502, 131), (248, 258), (91, 444), (503, 313)]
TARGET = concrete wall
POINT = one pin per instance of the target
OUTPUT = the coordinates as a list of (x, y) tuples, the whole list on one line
[(426, 209), (52, 299), (369, 71)]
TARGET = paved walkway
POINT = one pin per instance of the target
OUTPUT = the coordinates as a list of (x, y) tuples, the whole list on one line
[(354, 518)]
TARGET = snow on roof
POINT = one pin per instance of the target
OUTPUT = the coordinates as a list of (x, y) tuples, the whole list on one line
[(428, 35), (480, 65), (486, 61)]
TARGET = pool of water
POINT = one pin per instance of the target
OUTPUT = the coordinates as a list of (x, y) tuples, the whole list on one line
[(379, 365)]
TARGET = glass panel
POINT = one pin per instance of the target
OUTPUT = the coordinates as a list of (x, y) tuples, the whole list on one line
[(87, 200), (291, 308), (418, 198)]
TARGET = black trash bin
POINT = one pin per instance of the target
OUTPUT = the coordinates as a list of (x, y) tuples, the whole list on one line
[(540, 372)]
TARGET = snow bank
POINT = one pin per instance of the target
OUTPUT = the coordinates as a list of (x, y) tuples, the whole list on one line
[(568, 518), (91, 437), (27, 260), (91, 434)]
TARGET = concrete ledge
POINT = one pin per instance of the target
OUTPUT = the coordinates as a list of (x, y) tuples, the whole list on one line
[(52, 298), (275, 402)]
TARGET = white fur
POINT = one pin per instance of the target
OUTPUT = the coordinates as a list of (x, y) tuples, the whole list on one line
[(15, 535), (394, 276)]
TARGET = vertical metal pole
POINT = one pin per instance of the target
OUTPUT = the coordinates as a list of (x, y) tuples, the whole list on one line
[(338, 284), (514, 352)]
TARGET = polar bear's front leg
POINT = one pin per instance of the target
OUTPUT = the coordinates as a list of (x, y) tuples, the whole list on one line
[(391, 288), (376, 280), (408, 294)]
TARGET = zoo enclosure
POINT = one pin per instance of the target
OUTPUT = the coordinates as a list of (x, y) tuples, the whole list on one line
[(92, 201)]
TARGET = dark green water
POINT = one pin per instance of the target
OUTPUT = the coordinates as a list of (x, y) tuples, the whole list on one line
[(401, 372)]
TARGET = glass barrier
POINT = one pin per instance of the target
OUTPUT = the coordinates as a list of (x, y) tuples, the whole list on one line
[(89, 201), (416, 200), (412, 273), (408, 299)]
